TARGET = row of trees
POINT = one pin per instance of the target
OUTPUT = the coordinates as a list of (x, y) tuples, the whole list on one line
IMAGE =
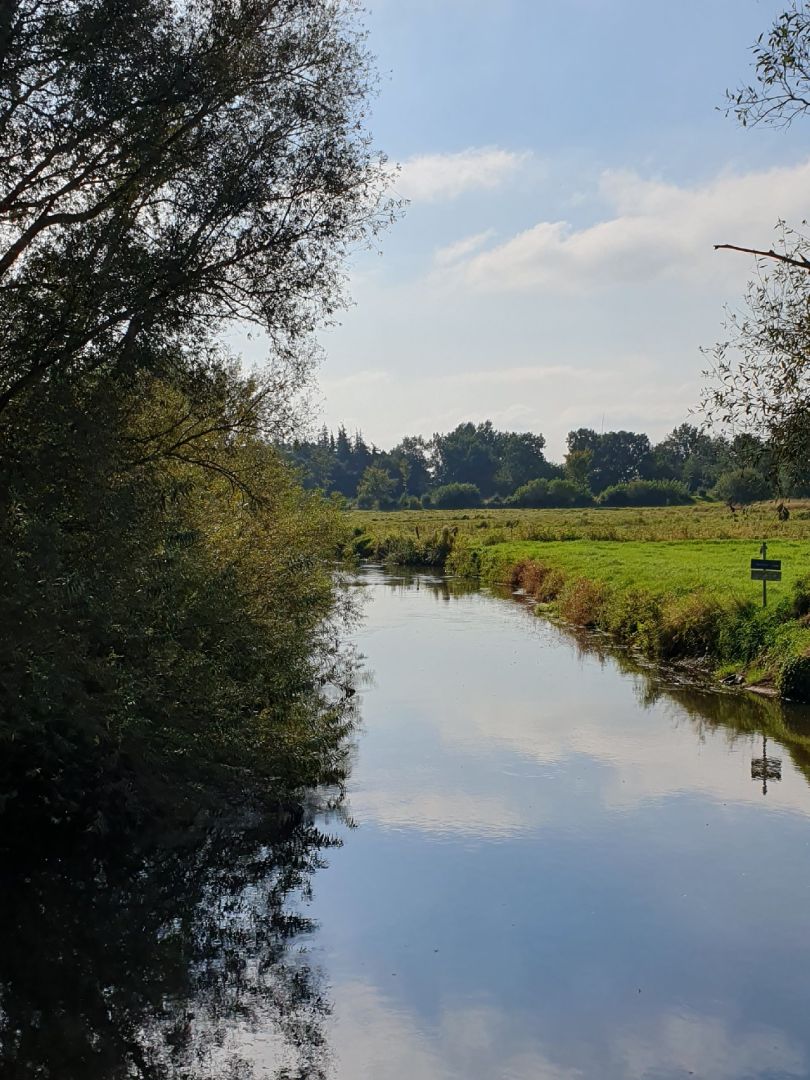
[(474, 463)]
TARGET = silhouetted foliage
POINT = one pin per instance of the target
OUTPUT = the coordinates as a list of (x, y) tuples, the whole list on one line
[(512, 467), (455, 497)]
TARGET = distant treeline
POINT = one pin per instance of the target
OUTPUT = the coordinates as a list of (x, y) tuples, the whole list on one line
[(475, 464)]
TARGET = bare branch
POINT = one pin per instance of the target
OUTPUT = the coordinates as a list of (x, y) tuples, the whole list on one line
[(799, 261)]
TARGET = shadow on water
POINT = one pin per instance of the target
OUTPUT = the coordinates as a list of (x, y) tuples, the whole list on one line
[(183, 960)]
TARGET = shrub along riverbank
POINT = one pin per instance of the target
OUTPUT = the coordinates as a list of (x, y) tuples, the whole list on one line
[(671, 583)]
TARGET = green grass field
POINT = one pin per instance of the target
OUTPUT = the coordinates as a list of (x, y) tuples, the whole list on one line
[(720, 568), (702, 521)]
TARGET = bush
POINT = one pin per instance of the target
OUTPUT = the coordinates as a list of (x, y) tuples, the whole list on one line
[(455, 497), (567, 493), (554, 494), (646, 493), (741, 486), (533, 494)]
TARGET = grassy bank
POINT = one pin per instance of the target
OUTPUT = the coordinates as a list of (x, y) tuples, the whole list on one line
[(671, 582), (672, 600)]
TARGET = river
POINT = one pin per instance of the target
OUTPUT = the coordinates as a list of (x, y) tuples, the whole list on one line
[(551, 864)]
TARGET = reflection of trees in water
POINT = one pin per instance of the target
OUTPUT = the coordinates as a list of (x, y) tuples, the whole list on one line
[(404, 578), (145, 966)]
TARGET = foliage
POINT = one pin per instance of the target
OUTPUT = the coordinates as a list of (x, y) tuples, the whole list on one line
[(502, 463), (533, 494), (615, 457), (456, 497), (169, 617), (793, 677), (741, 486), (495, 461), (170, 624), (760, 377), (646, 493), (782, 66), (166, 169), (376, 489), (550, 494)]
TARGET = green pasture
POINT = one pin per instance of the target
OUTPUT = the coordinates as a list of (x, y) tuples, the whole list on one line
[(701, 521), (720, 568)]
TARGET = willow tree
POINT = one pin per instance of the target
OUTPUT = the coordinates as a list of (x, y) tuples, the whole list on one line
[(168, 168)]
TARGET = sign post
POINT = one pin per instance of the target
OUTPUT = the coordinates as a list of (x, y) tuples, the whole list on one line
[(765, 570)]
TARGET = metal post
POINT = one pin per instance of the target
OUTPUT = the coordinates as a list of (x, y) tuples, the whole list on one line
[(764, 550)]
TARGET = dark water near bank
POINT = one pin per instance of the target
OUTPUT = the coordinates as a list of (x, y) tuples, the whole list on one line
[(559, 866)]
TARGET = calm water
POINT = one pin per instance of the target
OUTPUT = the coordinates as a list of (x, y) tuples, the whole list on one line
[(556, 867), (559, 870)]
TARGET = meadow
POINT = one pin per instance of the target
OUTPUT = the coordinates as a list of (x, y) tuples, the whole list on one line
[(701, 521), (671, 583)]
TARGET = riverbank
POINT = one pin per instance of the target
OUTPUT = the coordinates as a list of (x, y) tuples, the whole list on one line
[(675, 601), (671, 583)]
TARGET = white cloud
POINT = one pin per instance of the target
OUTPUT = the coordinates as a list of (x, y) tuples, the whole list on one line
[(657, 230), (430, 177), (462, 248)]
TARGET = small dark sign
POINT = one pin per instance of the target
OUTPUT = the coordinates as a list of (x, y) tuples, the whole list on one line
[(766, 575), (766, 564)]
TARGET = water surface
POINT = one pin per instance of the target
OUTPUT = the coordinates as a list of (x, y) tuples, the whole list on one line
[(551, 864), (560, 869)]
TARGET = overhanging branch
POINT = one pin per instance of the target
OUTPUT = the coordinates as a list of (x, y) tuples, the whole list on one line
[(801, 262)]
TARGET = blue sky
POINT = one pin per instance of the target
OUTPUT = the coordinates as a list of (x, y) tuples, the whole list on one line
[(568, 171)]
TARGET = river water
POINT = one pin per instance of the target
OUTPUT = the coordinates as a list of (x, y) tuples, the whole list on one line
[(551, 864)]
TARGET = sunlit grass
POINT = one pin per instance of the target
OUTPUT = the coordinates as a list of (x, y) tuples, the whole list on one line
[(665, 568), (703, 521)]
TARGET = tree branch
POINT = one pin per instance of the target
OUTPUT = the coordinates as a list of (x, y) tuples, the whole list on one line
[(801, 262)]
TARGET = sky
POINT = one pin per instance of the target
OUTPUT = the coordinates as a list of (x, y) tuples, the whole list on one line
[(568, 166)]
